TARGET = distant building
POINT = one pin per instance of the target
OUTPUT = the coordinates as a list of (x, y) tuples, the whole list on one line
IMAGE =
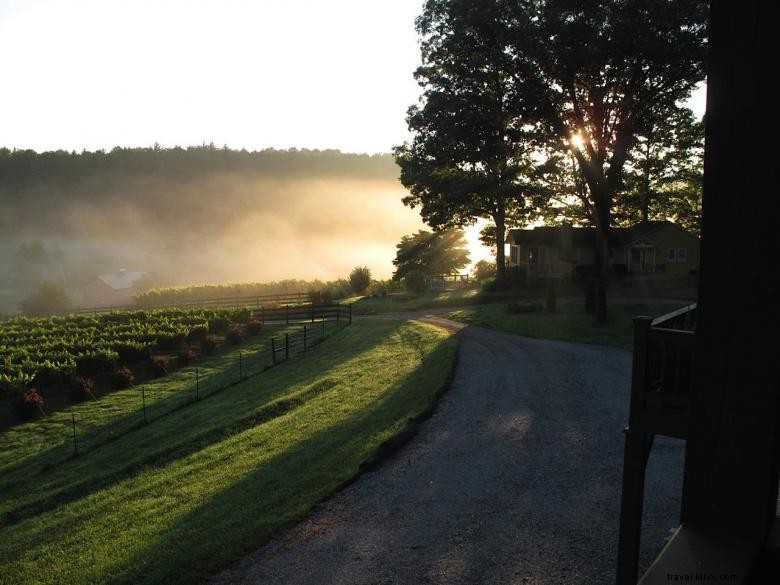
[(648, 247), (112, 289)]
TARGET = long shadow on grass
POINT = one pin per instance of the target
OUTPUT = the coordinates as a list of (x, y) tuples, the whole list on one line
[(219, 372), (277, 493), (101, 468)]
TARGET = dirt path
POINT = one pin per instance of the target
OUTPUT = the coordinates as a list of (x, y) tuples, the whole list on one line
[(516, 479)]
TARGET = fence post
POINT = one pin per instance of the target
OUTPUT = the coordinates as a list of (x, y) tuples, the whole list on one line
[(75, 444), (262, 314), (304, 338), (273, 350), (287, 314), (323, 326), (197, 384), (240, 366), (286, 346), (143, 400)]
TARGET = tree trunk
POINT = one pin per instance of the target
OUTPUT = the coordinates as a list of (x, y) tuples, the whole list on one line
[(499, 220), (601, 266)]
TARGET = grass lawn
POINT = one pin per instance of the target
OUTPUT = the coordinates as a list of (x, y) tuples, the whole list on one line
[(414, 302), (24, 449), (569, 323), (178, 499)]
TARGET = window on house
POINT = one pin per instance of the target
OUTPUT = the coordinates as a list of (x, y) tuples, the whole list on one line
[(682, 254), (670, 256)]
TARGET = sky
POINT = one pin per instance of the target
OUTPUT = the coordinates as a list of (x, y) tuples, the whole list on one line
[(91, 74)]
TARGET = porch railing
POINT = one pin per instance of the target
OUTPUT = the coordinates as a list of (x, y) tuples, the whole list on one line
[(661, 379)]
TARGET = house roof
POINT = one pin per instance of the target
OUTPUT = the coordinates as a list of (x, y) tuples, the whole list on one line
[(122, 280), (584, 237)]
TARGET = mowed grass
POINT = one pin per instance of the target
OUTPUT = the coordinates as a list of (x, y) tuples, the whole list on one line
[(214, 480), (27, 448), (569, 322), (405, 301)]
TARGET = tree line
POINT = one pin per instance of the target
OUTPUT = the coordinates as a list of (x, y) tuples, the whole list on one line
[(563, 110)]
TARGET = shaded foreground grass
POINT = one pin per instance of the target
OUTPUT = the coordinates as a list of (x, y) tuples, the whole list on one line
[(26, 449), (569, 323), (231, 480)]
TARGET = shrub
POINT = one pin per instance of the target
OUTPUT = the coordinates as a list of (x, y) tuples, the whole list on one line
[(28, 404), (132, 352), (90, 364), (197, 333), (488, 285), (233, 336), (123, 378), (218, 325), (81, 389), (185, 357), (50, 298), (415, 281), (159, 365), (359, 279), (169, 341), (208, 344), (254, 327), (484, 269), (46, 375)]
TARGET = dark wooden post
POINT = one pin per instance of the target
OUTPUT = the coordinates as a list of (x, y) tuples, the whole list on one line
[(286, 346), (304, 338), (273, 351), (75, 444), (637, 449)]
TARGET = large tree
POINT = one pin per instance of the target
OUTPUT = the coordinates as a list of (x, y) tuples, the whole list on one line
[(469, 157), (442, 252), (664, 173), (604, 72)]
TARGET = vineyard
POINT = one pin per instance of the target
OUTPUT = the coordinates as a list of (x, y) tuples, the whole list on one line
[(46, 351)]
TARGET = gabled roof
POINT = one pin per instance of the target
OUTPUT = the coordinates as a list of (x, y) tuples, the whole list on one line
[(122, 280), (585, 237)]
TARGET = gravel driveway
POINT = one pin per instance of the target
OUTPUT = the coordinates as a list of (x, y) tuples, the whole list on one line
[(515, 479)]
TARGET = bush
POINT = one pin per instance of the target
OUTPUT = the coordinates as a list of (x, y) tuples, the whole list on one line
[(233, 336), (484, 269), (415, 281), (123, 378), (50, 298), (218, 325), (359, 279), (198, 333), (81, 389), (208, 344), (132, 352), (488, 285), (47, 375), (28, 404), (159, 365), (254, 327), (92, 364), (185, 357), (170, 341)]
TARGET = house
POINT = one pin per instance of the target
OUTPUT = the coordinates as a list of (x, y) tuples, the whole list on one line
[(648, 247), (112, 289)]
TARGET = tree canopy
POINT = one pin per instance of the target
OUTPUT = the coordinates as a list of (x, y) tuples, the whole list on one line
[(470, 154), (581, 81), (434, 253)]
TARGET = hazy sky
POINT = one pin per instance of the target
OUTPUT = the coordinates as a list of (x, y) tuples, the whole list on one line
[(266, 73), (89, 74)]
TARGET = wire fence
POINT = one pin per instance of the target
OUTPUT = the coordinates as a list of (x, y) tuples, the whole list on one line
[(98, 422)]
